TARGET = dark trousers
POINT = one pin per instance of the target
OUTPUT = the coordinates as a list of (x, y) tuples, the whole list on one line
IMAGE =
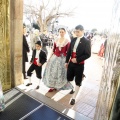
[(37, 69), (75, 70), (23, 70)]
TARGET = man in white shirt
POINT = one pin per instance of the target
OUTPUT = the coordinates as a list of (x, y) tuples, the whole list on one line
[(79, 51)]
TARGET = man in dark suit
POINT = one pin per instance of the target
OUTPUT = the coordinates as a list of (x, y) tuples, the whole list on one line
[(78, 52), (24, 52)]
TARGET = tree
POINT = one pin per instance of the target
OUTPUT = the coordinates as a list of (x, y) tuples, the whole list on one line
[(46, 13)]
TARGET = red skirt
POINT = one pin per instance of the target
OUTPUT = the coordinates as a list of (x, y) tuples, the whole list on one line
[(101, 52)]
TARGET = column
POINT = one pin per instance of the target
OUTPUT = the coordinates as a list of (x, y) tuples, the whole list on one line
[(16, 38), (5, 61)]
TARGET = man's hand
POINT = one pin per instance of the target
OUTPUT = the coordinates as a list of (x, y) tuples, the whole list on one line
[(39, 64), (66, 65), (74, 60)]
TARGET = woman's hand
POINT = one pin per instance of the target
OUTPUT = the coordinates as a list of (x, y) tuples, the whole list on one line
[(39, 64), (74, 60), (66, 65)]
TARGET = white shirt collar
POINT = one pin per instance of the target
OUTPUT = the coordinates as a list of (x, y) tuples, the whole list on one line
[(80, 37), (76, 43), (38, 50), (37, 55)]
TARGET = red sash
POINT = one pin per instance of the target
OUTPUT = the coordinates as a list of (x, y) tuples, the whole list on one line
[(74, 56), (35, 61)]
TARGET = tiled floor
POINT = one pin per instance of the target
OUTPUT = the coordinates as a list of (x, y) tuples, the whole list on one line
[(84, 108)]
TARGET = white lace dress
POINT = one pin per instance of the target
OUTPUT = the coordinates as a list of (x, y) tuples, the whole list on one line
[(55, 74)]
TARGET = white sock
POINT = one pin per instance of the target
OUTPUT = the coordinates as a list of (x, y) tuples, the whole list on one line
[(73, 85), (29, 79), (39, 81), (76, 91)]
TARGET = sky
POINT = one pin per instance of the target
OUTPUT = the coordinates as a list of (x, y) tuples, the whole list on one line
[(90, 13)]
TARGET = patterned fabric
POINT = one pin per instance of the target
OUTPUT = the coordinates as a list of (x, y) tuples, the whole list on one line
[(2, 105), (61, 48), (61, 45), (55, 74)]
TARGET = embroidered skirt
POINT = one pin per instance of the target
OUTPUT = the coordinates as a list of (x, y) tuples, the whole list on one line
[(2, 105), (55, 74)]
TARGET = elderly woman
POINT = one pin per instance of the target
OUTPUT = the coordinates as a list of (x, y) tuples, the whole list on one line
[(34, 38)]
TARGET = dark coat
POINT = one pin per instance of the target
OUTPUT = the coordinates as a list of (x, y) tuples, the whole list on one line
[(44, 40), (42, 57), (83, 51), (25, 49)]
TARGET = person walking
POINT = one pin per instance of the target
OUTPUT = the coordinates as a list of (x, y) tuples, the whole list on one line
[(55, 73), (25, 50), (37, 61), (78, 52)]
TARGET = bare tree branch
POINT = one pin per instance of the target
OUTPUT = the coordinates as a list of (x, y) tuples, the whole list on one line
[(44, 15)]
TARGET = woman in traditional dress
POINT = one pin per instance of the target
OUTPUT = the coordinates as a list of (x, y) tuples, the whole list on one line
[(102, 47), (54, 75), (2, 105), (96, 43)]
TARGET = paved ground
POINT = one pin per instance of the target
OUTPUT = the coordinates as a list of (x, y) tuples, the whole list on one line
[(87, 98)]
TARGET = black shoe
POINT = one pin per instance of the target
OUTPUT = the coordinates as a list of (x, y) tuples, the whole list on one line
[(25, 78), (72, 102), (83, 76), (37, 87), (29, 84), (72, 91)]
